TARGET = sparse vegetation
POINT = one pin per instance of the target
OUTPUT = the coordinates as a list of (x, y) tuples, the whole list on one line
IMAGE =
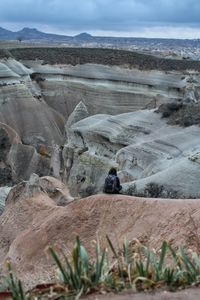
[(181, 114), (14, 285), (134, 266), (153, 190), (168, 109)]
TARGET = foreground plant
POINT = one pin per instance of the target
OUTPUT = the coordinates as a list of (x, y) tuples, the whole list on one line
[(79, 273), (14, 285), (140, 268), (134, 266)]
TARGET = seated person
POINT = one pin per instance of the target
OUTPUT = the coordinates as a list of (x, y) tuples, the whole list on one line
[(112, 183)]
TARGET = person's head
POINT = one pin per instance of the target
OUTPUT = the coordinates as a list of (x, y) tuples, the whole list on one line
[(112, 171)]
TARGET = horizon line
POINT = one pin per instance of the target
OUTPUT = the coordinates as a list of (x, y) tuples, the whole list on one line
[(101, 36)]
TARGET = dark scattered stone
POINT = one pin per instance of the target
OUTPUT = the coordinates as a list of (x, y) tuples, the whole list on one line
[(4, 144), (76, 56), (4, 53), (5, 176)]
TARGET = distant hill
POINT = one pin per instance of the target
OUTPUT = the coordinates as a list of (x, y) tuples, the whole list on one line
[(34, 35), (5, 34), (84, 36), (31, 34)]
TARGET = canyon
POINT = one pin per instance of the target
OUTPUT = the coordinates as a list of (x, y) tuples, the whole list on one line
[(66, 117), (74, 113)]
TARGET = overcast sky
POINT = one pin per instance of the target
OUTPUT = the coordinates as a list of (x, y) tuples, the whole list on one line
[(148, 18)]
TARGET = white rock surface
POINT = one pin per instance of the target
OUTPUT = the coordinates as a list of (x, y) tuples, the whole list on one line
[(143, 147), (37, 99), (3, 194), (32, 119)]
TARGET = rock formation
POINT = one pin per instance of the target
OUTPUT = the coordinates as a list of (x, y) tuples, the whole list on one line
[(46, 94), (144, 149), (32, 221), (19, 161), (109, 89)]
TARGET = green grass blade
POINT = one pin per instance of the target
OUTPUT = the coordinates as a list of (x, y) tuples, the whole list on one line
[(148, 262), (196, 259), (185, 260), (97, 248), (140, 268), (79, 294), (126, 252), (190, 268), (111, 247), (76, 259), (13, 287), (73, 280), (101, 264), (162, 255), (84, 260), (59, 264), (21, 291), (175, 256)]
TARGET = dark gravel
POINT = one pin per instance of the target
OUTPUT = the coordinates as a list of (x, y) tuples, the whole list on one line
[(76, 56)]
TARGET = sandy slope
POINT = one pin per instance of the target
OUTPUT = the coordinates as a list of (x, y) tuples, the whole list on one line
[(29, 224)]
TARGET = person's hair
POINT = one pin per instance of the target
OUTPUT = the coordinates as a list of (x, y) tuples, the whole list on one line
[(112, 171)]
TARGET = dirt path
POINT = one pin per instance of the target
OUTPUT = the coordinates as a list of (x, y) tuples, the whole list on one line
[(187, 294)]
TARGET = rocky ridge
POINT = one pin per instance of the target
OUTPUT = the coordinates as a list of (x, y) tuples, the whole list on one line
[(32, 220)]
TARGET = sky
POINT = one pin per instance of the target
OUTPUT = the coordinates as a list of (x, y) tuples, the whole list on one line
[(133, 18)]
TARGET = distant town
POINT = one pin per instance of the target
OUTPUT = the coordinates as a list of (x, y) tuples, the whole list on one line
[(170, 48)]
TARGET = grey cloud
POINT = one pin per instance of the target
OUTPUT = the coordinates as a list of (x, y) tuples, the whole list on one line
[(101, 14)]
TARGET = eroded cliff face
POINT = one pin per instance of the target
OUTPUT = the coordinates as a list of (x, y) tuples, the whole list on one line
[(38, 129), (37, 99), (106, 89)]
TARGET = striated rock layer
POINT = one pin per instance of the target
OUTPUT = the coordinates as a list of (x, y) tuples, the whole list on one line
[(111, 89), (23, 109), (30, 130)]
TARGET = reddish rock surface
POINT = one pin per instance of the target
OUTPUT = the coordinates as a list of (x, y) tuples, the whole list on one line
[(29, 224)]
